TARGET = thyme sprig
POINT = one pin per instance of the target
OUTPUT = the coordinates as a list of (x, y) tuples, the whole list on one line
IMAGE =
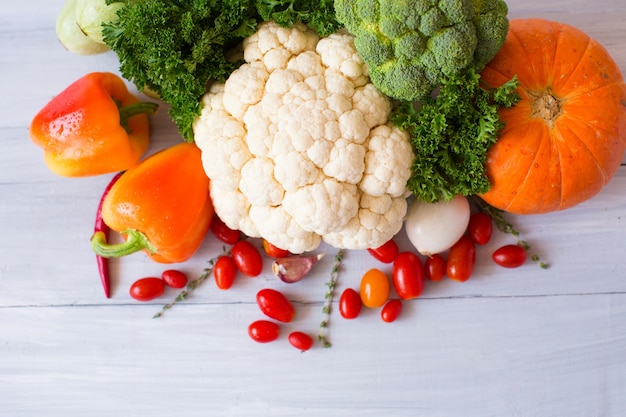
[(328, 299), (191, 286), (506, 227)]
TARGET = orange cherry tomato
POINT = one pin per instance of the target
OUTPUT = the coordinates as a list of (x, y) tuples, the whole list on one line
[(374, 289), (408, 275)]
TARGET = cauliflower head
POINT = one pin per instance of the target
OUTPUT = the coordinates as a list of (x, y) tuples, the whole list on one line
[(410, 45), (298, 145)]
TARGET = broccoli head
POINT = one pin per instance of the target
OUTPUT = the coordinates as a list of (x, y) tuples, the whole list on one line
[(409, 46)]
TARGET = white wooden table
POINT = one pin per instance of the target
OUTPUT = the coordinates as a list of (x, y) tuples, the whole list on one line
[(525, 342)]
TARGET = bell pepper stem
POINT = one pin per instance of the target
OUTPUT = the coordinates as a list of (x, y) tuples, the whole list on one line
[(135, 242), (130, 110)]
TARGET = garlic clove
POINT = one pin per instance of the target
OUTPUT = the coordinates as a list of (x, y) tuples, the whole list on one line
[(293, 268)]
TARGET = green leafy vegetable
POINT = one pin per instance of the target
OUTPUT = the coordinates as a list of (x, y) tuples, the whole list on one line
[(175, 47), (409, 45), (451, 135), (317, 14)]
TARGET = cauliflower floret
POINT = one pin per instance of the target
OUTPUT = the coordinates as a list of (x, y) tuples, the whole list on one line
[(298, 145)]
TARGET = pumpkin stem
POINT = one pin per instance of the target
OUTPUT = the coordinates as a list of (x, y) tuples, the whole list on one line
[(545, 106)]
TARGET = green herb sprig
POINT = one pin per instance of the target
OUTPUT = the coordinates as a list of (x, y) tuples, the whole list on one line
[(191, 286), (328, 299)]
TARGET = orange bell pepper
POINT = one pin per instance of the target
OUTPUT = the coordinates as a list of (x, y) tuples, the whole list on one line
[(162, 206), (95, 126)]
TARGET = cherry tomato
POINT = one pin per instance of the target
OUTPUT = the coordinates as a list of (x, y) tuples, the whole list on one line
[(509, 256), (146, 289), (408, 275), (174, 278), (275, 305), (263, 331), (224, 272), (461, 259), (385, 253), (391, 310), (223, 232), (300, 341), (374, 288), (350, 304), (435, 267), (480, 228), (247, 258), (274, 251)]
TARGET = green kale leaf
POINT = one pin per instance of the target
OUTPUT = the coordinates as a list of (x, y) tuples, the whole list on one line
[(451, 135)]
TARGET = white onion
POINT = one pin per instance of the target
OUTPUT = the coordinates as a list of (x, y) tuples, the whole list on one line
[(434, 227)]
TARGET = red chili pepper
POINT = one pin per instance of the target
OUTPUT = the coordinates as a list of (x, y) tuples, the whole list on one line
[(100, 226)]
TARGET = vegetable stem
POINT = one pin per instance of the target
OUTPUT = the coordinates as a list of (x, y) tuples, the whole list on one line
[(130, 110), (135, 241), (328, 299)]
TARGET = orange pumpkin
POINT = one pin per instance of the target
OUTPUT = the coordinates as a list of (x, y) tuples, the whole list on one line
[(566, 138)]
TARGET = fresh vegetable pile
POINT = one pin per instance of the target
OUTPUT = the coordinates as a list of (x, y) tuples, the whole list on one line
[(342, 122)]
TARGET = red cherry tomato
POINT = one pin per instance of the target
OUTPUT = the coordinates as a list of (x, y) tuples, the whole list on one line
[(435, 267), (385, 253), (480, 228), (408, 275), (509, 256), (263, 331), (275, 305), (223, 232), (391, 310), (274, 251), (174, 278), (374, 289), (350, 304), (146, 289), (300, 341), (224, 272), (247, 258), (461, 259)]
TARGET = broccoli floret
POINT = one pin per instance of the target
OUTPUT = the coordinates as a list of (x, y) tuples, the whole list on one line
[(410, 46), (492, 25)]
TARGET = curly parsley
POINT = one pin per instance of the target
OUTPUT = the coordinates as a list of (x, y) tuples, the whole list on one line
[(317, 14), (451, 134), (175, 47)]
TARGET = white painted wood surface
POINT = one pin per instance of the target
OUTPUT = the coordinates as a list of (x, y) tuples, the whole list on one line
[(524, 343)]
